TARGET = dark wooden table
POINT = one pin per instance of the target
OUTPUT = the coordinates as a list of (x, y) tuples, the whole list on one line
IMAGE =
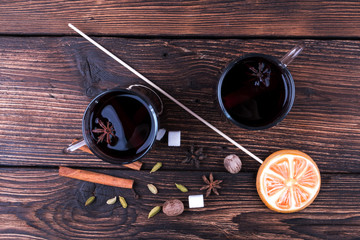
[(48, 75)]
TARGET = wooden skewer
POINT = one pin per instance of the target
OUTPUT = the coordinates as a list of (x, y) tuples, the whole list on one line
[(164, 93), (96, 177)]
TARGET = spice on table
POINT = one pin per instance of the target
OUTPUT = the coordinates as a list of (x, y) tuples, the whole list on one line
[(111, 201), (90, 200), (123, 202), (96, 177), (152, 188), (211, 185), (154, 211), (156, 167), (181, 187), (173, 207), (194, 156), (232, 163), (106, 131)]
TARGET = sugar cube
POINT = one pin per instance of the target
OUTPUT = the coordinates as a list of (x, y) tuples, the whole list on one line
[(174, 138), (160, 134), (196, 201)]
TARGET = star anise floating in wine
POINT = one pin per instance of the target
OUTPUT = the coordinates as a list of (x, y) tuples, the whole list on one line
[(261, 74), (211, 185), (194, 156), (106, 131)]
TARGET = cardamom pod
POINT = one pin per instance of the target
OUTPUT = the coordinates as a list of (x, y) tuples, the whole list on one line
[(123, 202), (89, 200), (152, 188), (111, 201), (154, 211), (181, 187), (156, 167)]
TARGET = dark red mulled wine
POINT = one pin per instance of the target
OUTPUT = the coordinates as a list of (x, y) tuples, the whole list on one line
[(256, 91), (120, 126)]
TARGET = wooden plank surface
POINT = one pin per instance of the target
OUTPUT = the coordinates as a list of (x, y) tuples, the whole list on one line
[(47, 78), (184, 18), (38, 204), (45, 82)]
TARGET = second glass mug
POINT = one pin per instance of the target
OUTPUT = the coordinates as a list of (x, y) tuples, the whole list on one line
[(120, 125), (257, 91)]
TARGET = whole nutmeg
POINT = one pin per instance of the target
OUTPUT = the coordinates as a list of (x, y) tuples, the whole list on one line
[(232, 163), (173, 207)]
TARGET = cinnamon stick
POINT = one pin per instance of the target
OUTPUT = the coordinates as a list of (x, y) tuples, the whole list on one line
[(135, 165), (96, 177)]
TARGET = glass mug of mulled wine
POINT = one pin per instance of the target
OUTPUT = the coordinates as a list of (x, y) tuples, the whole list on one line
[(120, 125), (257, 91)]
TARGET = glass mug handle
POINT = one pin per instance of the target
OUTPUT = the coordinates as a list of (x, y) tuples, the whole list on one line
[(74, 146), (161, 107), (78, 144), (291, 55)]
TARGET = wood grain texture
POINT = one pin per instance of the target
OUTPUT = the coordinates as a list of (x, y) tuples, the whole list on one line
[(39, 204), (180, 18), (44, 83)]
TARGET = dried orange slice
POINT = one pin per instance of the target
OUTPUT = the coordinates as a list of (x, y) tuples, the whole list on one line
[(288, 181)]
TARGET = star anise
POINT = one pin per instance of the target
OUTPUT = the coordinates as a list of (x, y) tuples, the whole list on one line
[(194, 156), (262, 74), (212, 185), (106, 132)]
